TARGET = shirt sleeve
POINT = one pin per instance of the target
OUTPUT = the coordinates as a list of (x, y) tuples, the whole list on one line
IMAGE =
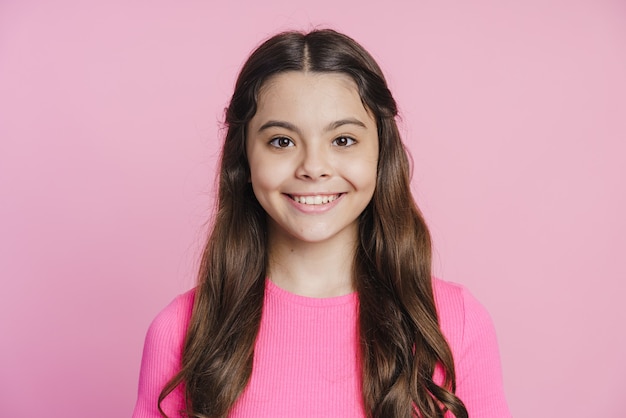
[(162, 360), (478, 368)]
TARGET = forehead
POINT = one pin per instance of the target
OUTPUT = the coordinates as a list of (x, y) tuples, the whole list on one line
[(309, 96), (298, 79)]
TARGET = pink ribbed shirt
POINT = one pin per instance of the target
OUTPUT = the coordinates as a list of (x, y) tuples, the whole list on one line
[(306, 357)]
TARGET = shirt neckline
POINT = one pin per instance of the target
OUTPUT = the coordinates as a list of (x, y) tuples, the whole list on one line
[(282, 294)]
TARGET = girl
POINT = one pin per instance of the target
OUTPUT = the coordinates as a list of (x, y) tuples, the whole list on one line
[(315, 296)]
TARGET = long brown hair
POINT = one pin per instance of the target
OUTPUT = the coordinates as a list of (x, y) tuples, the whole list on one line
[(400, 339)]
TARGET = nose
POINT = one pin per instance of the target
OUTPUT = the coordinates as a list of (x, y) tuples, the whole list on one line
[(315, 163)]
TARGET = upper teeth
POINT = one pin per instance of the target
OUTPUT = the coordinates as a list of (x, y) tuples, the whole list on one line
[(315, 200)]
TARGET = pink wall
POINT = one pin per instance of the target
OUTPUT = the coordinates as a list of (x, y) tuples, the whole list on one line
[(515, 114)]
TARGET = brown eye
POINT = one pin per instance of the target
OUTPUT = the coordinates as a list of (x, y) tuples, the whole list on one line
[(281, 142), (344, 141)]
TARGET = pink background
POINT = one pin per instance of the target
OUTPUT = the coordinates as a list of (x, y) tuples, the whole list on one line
[(514, 112)]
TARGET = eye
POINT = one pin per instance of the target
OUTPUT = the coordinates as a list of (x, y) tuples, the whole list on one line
[(281, 142), (344, 141)]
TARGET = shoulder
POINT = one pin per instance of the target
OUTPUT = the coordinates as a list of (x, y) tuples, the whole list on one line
[(162, 354), (459, 312), (468, 327), (167, 331), (166, 334), (465, 323), (173, 320)]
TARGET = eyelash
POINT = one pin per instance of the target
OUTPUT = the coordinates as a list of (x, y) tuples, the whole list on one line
[(276, 142), (351, 141)]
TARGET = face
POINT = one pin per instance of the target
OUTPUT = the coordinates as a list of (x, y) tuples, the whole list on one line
[(313, 152)]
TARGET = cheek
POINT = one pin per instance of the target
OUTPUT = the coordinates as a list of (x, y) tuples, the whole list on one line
[(265, 179), (260, 183), (262, 173), (365, 175)]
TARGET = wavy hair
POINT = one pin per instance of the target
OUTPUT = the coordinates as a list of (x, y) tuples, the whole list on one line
[(400, 339)]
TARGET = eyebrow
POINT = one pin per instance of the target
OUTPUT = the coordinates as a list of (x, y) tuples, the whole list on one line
[(330, 127)]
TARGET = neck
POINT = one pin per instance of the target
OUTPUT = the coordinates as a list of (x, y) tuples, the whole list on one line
[(319, 269)]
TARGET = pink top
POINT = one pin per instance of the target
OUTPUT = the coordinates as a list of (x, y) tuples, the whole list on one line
[(305, 357)]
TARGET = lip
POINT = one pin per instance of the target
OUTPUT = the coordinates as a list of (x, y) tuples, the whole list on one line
[(312, 209)]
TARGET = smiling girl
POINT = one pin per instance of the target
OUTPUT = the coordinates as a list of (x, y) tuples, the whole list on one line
[(315, 296)]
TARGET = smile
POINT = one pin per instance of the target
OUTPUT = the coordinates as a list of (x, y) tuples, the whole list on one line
[(319, 199)]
